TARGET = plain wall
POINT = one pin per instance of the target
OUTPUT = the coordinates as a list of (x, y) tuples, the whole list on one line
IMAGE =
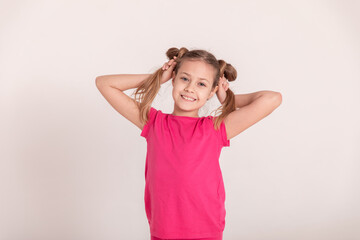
[(72, 168)]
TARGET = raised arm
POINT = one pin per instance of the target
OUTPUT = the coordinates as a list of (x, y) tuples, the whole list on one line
[(246, 98), (252, 107), (121, 81), (112, 87)]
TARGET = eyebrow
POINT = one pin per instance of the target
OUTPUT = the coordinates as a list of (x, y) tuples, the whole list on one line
[(199, 78)]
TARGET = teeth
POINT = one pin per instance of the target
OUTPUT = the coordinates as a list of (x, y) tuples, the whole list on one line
[(190, 99)]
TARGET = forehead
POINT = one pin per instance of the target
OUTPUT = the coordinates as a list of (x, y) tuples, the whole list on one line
[(198, 69)]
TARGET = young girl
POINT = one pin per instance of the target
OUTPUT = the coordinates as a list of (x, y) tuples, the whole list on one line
[(184, 189)]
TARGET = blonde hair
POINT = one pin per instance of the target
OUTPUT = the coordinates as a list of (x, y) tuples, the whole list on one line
[(147, 91)]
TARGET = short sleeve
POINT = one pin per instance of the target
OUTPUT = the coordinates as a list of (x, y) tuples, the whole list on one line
[(223, 135), (151, 116)]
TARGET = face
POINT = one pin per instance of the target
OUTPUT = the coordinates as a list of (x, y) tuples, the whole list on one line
[(193, 80)]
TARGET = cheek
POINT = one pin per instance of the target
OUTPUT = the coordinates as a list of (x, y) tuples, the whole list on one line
[(177, 88), (176, 91), (205, 94)]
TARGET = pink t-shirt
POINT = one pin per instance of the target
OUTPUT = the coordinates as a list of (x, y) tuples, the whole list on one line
[(184, 188)]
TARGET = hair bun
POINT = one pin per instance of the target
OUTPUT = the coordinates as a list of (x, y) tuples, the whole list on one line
[(172, 52), (227, 70)]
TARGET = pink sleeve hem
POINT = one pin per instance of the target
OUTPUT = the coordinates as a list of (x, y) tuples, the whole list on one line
[(226, 142), (145, 130)]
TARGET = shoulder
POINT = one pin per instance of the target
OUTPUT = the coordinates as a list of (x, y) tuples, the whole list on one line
[(153, 114)]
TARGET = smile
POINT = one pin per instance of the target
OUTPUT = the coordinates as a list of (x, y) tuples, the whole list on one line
[(188, 99)]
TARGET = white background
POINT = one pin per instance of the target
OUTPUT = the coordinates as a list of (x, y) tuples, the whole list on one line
[(72, 168)]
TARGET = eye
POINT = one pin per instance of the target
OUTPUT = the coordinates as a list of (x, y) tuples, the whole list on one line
[(185, 79)]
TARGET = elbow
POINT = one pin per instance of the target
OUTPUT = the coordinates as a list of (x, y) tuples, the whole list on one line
[(274, 97), (277, 98), (98, 81)]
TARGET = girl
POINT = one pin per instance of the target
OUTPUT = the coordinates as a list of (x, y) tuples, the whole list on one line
[(184, 189)]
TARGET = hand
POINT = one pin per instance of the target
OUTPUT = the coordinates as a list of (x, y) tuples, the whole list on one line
[(223, 86), (168, 70)]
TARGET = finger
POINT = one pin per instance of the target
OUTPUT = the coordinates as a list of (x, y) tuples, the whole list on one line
[(220, 84), (172, 64), (221, 87), (166, 67), (221, 81), (224, 84)]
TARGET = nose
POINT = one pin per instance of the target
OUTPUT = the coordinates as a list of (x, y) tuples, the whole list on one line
[(189, 88)]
